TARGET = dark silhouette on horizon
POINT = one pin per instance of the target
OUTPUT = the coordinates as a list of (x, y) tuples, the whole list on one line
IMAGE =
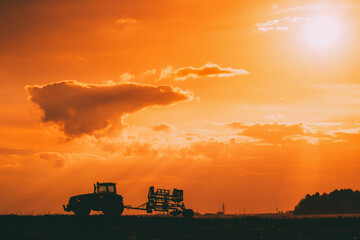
[(163, 200), (155, 227), (105, 199), (337, 202)]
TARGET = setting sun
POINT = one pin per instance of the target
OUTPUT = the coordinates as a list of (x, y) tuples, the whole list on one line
[(323, 31)]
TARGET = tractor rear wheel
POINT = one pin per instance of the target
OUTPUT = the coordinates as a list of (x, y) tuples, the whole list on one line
[(113, 208), (188, 213), (82, 210)]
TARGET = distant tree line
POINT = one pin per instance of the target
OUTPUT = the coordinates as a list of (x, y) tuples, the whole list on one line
[(336, 202)]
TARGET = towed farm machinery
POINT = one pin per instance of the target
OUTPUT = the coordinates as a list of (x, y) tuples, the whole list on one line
[(105, 199), (163, 200)]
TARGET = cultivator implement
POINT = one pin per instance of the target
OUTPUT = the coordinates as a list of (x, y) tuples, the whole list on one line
[(163, 200)]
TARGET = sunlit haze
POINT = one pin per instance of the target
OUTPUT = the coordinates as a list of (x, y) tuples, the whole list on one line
[(324, 31)]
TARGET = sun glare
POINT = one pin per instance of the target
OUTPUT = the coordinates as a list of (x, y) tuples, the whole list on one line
[(323, 31)]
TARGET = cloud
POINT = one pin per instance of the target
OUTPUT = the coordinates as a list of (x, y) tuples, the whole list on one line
[(351, 136), (78, 108), (13, 151), (150, 72), (139, 149), (161, 127), (126, 77), (208, 70), (56, 159), (274, 117), (322, 6), (169, 74), (272, 132), (126, 21), (5, 167), (277, 24), (304, 10)]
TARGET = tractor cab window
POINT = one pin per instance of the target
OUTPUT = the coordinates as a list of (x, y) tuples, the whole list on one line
[(111, 189), (106, 189), (102, 189)]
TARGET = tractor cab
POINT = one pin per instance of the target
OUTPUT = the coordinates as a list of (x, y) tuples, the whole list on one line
[(105, 188)]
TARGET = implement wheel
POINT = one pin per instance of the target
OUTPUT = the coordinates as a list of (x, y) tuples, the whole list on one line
[(188, 213)]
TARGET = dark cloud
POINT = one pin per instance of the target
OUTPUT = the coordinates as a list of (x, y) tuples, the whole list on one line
[(79, 108)]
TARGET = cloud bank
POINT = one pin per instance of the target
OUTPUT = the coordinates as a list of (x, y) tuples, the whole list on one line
[(78, 108)]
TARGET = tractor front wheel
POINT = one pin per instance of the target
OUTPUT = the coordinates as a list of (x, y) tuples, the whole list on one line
[(82, 210)]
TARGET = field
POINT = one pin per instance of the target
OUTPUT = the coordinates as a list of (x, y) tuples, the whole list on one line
[(137, 227)]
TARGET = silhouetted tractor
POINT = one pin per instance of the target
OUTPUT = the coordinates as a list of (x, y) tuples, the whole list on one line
[(103, 199), (163, 200)]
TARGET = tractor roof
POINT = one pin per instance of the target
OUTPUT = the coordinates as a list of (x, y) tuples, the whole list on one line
[(105, 183)]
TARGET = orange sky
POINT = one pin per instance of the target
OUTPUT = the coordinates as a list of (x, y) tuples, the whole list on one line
[(249, 103)]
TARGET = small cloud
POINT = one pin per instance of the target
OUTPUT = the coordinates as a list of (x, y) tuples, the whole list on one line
[(320, 6), (167, 72), (161, 127), (14, 151), (137, 148), (56, 159), (208, 70), (5, 167), (278, 24), (275, 117), (286, 133), (281, 28), (126, 21), (149, 72), (270, 132), (126, 77)]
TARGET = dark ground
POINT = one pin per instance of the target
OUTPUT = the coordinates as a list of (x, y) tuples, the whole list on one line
[(133, 227)]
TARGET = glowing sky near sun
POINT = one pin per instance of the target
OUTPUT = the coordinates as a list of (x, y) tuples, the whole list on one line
[(249, 103)]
